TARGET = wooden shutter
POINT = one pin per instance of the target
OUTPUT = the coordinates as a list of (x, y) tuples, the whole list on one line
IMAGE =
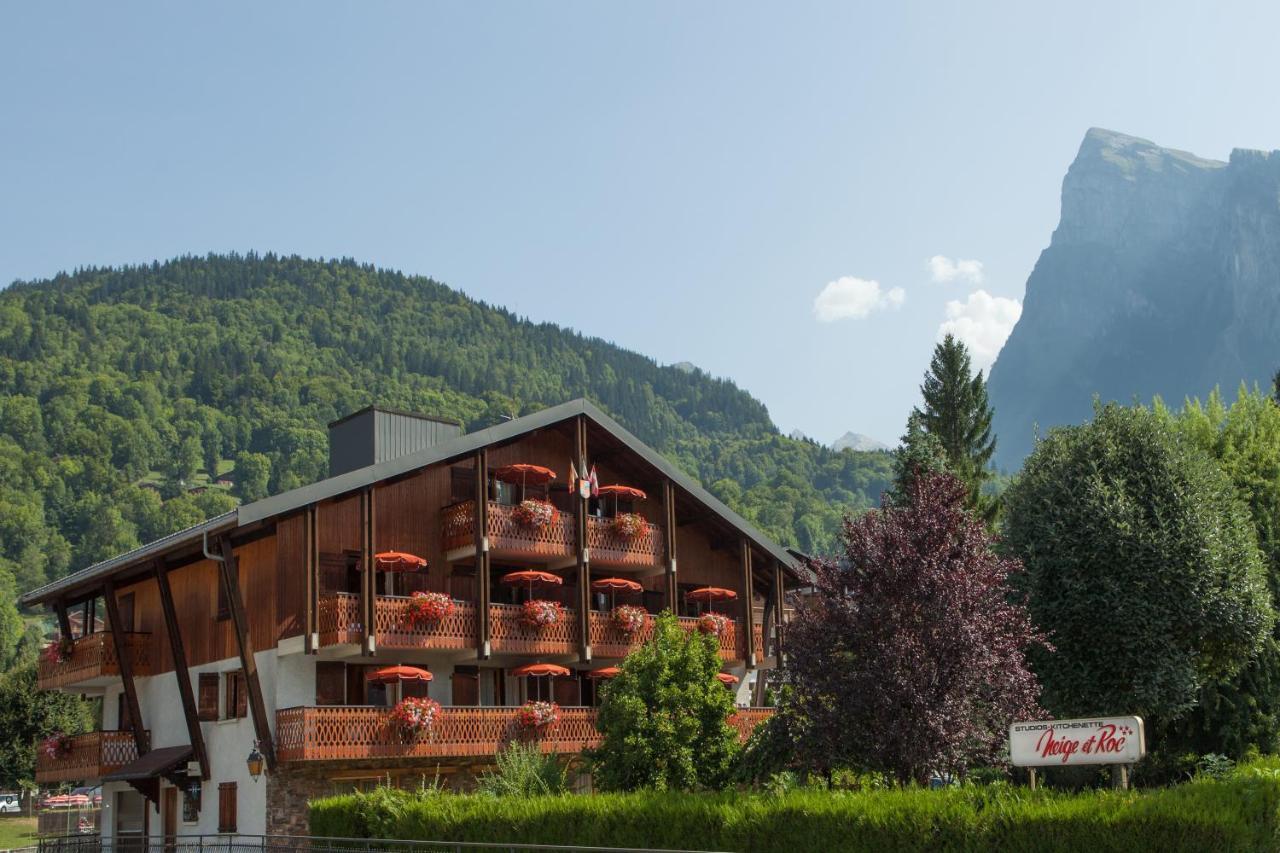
[(207, 701), (466, 685), (227, 807), (566, 691), (242, 695), (224, 607), (331, 683), (462, 484)]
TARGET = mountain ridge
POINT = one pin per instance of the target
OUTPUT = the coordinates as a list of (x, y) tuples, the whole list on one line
[(1160, 279)]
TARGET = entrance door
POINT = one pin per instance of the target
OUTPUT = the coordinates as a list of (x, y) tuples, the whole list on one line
[(169, 818), (131, 822)]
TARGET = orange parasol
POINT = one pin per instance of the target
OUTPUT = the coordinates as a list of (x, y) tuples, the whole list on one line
[(396, 674), (536, 670), (531, 577), (623, 492), (524, 473), (711, 594), (604, 672), (398, 561), (615, 585), (726, 678)]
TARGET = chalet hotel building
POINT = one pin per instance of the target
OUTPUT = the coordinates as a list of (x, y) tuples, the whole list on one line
[(254, 661)]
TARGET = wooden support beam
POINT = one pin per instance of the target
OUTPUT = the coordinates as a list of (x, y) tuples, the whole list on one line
[(483, 593), (64, 621), (368, 582), (780, 616), (178, 653), (125, 662), (669, 544), (748, 609), (311, 549), (581, 549), (240, 622)]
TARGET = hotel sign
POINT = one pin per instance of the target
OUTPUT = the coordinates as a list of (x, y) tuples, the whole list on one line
[(1092, 740)]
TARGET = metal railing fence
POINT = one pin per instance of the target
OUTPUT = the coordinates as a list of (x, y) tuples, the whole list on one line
[(304, 844)]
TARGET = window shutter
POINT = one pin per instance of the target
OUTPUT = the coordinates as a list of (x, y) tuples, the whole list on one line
[(224, 607), (227, 807), (242, 695), (207, 704)]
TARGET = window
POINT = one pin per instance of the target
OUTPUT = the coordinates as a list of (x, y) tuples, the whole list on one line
[(191, 802), (237, 696), (224, 608), (207, 698), (331, 683), (226, 807)]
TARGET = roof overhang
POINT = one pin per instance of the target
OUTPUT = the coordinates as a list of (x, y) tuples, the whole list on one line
[(291, 501)]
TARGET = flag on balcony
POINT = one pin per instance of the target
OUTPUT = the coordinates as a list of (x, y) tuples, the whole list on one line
[(595, 482), (573, 478)]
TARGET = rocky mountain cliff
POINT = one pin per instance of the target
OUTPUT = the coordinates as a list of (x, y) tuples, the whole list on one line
[(1163, 277)]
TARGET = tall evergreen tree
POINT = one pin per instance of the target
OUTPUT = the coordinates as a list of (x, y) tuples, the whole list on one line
[(956, 412)]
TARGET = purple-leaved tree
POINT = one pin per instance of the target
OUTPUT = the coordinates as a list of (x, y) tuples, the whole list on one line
[(910, 658)]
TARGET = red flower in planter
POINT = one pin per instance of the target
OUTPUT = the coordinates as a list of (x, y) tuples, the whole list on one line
[(414, 716), (533, 513), (539, 613), (536, 715), (627, 618), (428, 608), (632, 525), (713, 623), (56, 746)]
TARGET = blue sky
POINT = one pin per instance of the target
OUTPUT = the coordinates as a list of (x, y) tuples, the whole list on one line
[(756, 188)]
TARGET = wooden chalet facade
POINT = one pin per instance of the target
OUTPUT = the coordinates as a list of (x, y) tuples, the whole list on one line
[(260, 628)]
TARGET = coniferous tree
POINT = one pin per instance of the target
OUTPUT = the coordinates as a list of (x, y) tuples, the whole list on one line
[(956, 412)]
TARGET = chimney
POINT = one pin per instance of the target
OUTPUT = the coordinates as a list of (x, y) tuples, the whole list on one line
[(374, 435)]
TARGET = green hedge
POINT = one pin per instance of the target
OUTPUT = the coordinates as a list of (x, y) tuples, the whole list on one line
[(1236, 813)]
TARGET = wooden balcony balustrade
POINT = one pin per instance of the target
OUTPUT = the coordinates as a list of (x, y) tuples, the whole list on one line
[(338, 733), (339, 622), (553, 542), (93, 661), (90, 756), (610, 547)]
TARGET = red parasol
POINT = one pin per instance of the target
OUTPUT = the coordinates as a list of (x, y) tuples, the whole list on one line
[(615, 585), (623, 492), (604, 672), (524, 473), (531, 577), (398, 561), (710, 594), (396, 674), (536, 670), (726, 678)]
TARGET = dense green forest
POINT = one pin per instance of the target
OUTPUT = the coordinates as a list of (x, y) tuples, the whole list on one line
[(124, 393)]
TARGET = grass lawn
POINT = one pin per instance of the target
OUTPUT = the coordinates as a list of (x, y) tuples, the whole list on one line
[(17, 831)]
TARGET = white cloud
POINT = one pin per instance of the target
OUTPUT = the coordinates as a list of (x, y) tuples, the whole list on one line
[(849, 297), (943, 270), (983, 322)]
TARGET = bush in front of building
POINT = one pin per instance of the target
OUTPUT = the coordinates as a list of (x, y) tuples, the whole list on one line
[(1237, 812)]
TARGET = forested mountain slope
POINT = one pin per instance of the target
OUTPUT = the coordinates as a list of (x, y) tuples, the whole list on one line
[(125, 392)]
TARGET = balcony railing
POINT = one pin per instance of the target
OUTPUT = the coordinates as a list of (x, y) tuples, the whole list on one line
[(340, 623), (507, 537), (337, 733), (89, 756), (340, 733), (93, 658), (610, 547)]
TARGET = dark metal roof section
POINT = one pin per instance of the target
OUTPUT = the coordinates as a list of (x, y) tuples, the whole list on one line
[(443, 451), (375, 434)]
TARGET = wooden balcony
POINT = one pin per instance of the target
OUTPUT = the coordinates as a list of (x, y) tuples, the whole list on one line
[(608, 547), (91, 755), (93, 662), (340, 623), (508, 538), (337, 733), (346, 733)]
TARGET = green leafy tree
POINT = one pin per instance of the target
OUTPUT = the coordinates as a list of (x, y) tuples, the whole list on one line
[(1242, 712), (664, 718), (253, 473), (920, 454), (956, 412), (1142, 566), (27, 716)]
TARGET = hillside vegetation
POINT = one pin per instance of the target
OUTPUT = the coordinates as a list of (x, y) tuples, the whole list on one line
[(123, 390)]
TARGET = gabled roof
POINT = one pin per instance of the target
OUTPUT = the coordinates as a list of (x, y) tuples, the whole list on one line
[(295, 499)]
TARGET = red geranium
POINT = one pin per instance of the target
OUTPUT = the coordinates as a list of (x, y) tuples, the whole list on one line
[(713, 623), (414, 715), (428, 608), (533, 513), (628, 619), (632, 525), (535, 715), (539, 613), (56, 746)]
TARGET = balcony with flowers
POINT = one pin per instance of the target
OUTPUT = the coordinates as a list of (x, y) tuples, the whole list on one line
[(90, 661), (83, 757)]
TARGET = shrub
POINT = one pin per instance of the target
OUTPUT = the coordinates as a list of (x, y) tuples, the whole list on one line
[(1236, 813), (523, 771)]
